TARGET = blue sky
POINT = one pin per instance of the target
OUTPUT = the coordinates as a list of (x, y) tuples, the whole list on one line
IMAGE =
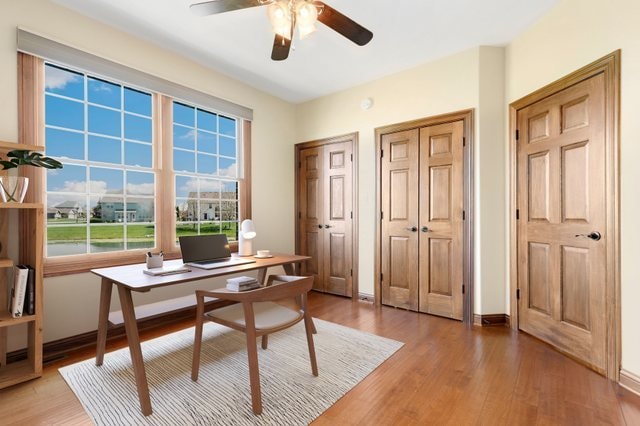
[(114, 127)]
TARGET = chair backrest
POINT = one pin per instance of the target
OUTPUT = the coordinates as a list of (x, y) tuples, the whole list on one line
[(289, 287)]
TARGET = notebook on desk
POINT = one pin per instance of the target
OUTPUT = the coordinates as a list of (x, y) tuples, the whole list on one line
[(208, 252)]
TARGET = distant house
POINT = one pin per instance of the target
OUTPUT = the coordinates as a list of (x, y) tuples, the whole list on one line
[(111, 209), (68, 210), (53, 213), (210, 206), (108, 209)]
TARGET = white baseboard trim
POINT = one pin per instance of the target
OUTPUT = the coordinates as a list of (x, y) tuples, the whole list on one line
[(630, 381)]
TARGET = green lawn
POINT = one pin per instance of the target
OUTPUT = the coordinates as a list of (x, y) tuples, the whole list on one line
[(142, 232)]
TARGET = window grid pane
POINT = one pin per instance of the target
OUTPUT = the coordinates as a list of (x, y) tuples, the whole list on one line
[(91, 206), (104, 199), (205, 158)]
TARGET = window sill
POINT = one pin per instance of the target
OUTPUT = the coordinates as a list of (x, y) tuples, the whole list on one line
[(78, 264)]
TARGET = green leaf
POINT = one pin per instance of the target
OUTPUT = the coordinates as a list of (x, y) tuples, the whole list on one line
[(23, 157)]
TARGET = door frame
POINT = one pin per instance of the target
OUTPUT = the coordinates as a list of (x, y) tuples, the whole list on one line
[(610, 67), (467, 116), (349, 137)]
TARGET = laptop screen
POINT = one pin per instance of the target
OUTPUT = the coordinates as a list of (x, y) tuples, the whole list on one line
[(198, 248)]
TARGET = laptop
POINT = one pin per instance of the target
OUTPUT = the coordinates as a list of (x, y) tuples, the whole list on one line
[(208, 252)]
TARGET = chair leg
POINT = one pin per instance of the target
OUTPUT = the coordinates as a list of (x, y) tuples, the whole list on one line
[(265, 341), (197, 345), (254, 372), (310, 329)]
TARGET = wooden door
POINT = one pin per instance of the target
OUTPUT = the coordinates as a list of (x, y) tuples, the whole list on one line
[(561, 202), (337, 218), (325, 220), (399, 236), (441, 226), (311, 201)]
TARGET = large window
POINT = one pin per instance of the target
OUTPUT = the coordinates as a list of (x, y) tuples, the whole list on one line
[(103, 198), (108, 195), (205, 160)]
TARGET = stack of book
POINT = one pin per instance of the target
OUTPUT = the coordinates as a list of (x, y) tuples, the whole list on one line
[(242, 283), (22, 297)]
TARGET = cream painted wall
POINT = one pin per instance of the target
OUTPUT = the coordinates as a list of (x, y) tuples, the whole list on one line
[(490, 165), (447, 85), (572, 35), (71, 302)]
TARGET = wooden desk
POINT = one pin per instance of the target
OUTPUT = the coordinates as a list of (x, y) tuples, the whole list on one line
[(131, 278)]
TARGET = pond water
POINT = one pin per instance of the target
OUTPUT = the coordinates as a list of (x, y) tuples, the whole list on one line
[(79, 247)]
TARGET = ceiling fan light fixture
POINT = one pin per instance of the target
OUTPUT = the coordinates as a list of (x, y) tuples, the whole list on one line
[(280, 18), (305, 30), (306, 17), (286, 15), (306, 13), (278, 13)]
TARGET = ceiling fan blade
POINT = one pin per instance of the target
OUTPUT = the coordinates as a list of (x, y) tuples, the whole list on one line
[(220, 6), (344, 25), (281, 47)]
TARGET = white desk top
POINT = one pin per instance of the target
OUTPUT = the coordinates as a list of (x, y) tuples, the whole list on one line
[(131, 276)]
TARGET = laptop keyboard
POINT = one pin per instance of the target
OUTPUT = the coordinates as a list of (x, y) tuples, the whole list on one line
[(208, 262)]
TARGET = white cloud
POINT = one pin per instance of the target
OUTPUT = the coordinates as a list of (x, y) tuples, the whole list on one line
[(190, 186), (98, 86), (190, 135), (74, 186), (98, 186), (230, 171), (210, 185), (140, 189), (58, 79)]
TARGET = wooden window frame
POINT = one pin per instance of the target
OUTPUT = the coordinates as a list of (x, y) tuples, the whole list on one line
[(31, 131)]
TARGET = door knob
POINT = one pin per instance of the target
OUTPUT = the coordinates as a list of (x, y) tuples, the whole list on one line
[(320, 226), (595, 235), (412, 229), (425, 229), (328, 226)]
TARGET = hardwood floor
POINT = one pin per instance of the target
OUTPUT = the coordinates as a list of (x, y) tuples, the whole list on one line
[(445, 374)]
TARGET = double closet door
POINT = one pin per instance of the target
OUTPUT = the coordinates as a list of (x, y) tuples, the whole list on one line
[(422, 224), (325, 216)]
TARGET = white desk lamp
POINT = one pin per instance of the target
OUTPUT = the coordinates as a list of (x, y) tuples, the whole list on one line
[(247, 234)]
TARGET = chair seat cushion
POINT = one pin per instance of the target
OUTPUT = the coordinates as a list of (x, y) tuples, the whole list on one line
[(267, 314)]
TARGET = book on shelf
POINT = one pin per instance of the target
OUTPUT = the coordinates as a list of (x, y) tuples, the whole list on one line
[(242, 284), (29, 307), (167, 270), (20, 278)]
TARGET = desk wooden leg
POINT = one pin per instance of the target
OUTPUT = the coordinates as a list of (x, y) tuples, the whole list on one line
[(103, 319), (262, 274), (288, 269), (131, 327)]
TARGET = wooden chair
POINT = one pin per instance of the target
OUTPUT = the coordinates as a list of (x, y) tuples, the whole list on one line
[(257, 316)]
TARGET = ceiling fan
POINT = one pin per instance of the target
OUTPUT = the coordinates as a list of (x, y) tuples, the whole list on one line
[(285, 15)]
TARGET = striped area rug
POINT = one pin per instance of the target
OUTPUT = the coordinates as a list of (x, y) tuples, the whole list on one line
[(221, 396)]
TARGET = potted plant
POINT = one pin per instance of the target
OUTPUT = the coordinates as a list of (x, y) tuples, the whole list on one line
[(14, 188)]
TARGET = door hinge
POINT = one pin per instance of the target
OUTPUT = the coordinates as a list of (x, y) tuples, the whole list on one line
[(381, 153), (352, 158), (299, 164), (462, 288), (351, 272), (518, 293), (351, 215), (381, 277), (517, 134), (463, 215), (517, 214), (299, 215), (381, 215), (464, 141)]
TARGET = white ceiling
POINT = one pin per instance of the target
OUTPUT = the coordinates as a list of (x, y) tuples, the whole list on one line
[(406, 33)]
